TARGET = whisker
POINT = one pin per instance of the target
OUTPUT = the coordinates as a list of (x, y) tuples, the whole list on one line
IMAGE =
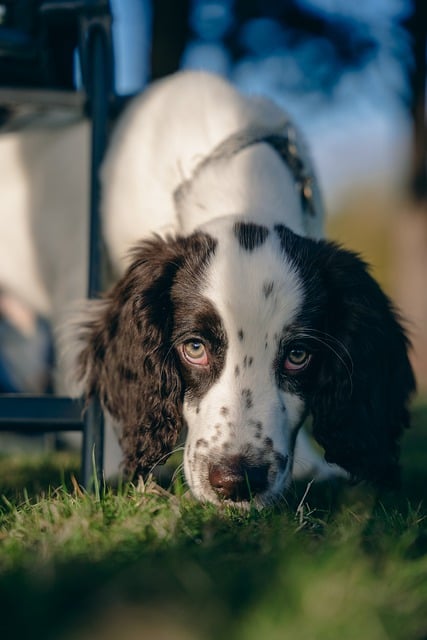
[(276, 501), (179, 471), (346, 362), (315, 333), (165, 456), (303, 462)]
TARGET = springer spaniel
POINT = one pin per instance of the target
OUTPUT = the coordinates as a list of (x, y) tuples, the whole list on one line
[(232, 318)]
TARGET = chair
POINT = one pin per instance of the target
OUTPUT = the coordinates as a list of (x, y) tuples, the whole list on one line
[(37, 44)]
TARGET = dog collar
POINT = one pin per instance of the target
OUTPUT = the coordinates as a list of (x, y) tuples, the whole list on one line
[(283, 139)]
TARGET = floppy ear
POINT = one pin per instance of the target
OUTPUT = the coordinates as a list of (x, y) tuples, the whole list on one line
[(126, 357), (360, 405)]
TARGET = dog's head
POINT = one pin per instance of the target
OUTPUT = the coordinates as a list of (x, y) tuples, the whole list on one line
[(239, 331)]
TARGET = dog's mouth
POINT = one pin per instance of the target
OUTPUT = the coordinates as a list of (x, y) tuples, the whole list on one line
[(255, 502)]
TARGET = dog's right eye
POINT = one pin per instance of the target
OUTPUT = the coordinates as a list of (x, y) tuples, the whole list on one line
[(195, 353)]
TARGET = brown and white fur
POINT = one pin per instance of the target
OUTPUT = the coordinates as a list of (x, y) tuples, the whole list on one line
[(235, 320)]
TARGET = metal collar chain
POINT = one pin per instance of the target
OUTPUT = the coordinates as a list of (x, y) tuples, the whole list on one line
[(283, 139)]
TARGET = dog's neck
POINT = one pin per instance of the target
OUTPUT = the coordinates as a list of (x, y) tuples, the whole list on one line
[(256, 169)]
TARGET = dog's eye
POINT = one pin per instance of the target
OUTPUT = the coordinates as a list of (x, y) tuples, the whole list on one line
[(195, 352), (297, 359)]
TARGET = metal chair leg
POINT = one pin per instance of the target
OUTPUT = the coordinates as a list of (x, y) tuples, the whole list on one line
[(97, 59)]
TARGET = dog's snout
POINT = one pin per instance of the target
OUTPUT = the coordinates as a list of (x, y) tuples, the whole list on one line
[(237, 479)]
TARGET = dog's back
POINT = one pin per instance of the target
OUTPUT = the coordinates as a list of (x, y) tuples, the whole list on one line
[(161, 140), (156, 146)]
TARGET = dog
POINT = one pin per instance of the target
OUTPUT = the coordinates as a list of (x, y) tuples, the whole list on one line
[(232, 320), (232, 317)]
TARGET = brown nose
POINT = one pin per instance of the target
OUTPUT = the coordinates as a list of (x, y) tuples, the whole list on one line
[(237, 479)]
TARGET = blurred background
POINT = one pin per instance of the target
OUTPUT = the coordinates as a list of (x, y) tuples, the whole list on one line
[(352, 75)]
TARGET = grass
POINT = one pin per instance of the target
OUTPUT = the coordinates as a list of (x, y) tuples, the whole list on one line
[(335, 563)]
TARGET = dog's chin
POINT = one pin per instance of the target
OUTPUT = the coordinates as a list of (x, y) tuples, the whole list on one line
[(257, 503)]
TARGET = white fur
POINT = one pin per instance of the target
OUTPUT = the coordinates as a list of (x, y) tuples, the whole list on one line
[(158, 144)]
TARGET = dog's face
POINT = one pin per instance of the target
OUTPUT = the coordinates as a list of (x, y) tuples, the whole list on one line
[(244, 363), (238, 332)]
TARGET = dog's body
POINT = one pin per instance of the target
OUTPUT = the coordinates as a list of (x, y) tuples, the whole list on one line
[(235, 320)]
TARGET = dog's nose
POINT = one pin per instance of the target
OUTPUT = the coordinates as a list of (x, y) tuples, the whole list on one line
[(238, 480)]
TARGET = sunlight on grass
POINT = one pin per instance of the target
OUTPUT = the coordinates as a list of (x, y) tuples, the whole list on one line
[(141, 561)]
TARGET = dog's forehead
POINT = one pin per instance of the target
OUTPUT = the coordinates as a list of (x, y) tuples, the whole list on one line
[(250, 279)]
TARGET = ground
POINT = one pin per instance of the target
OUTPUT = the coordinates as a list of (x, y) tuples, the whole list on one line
[(331, 562)]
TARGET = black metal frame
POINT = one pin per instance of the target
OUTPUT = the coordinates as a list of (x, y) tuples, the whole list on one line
[(35, 414)]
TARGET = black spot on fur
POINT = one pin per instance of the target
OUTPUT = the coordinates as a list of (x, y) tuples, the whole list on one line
[(240, 335), (258, 427), (267, 289), (236, 371), (250, 235), (268, 442), (224, 411), (201, 442), (248, 398), (247, 362)]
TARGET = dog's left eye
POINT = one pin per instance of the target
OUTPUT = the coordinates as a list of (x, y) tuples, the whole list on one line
[(195, 353), (297, 359)]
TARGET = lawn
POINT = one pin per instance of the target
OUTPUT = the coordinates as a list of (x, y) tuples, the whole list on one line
[(335, 562)]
